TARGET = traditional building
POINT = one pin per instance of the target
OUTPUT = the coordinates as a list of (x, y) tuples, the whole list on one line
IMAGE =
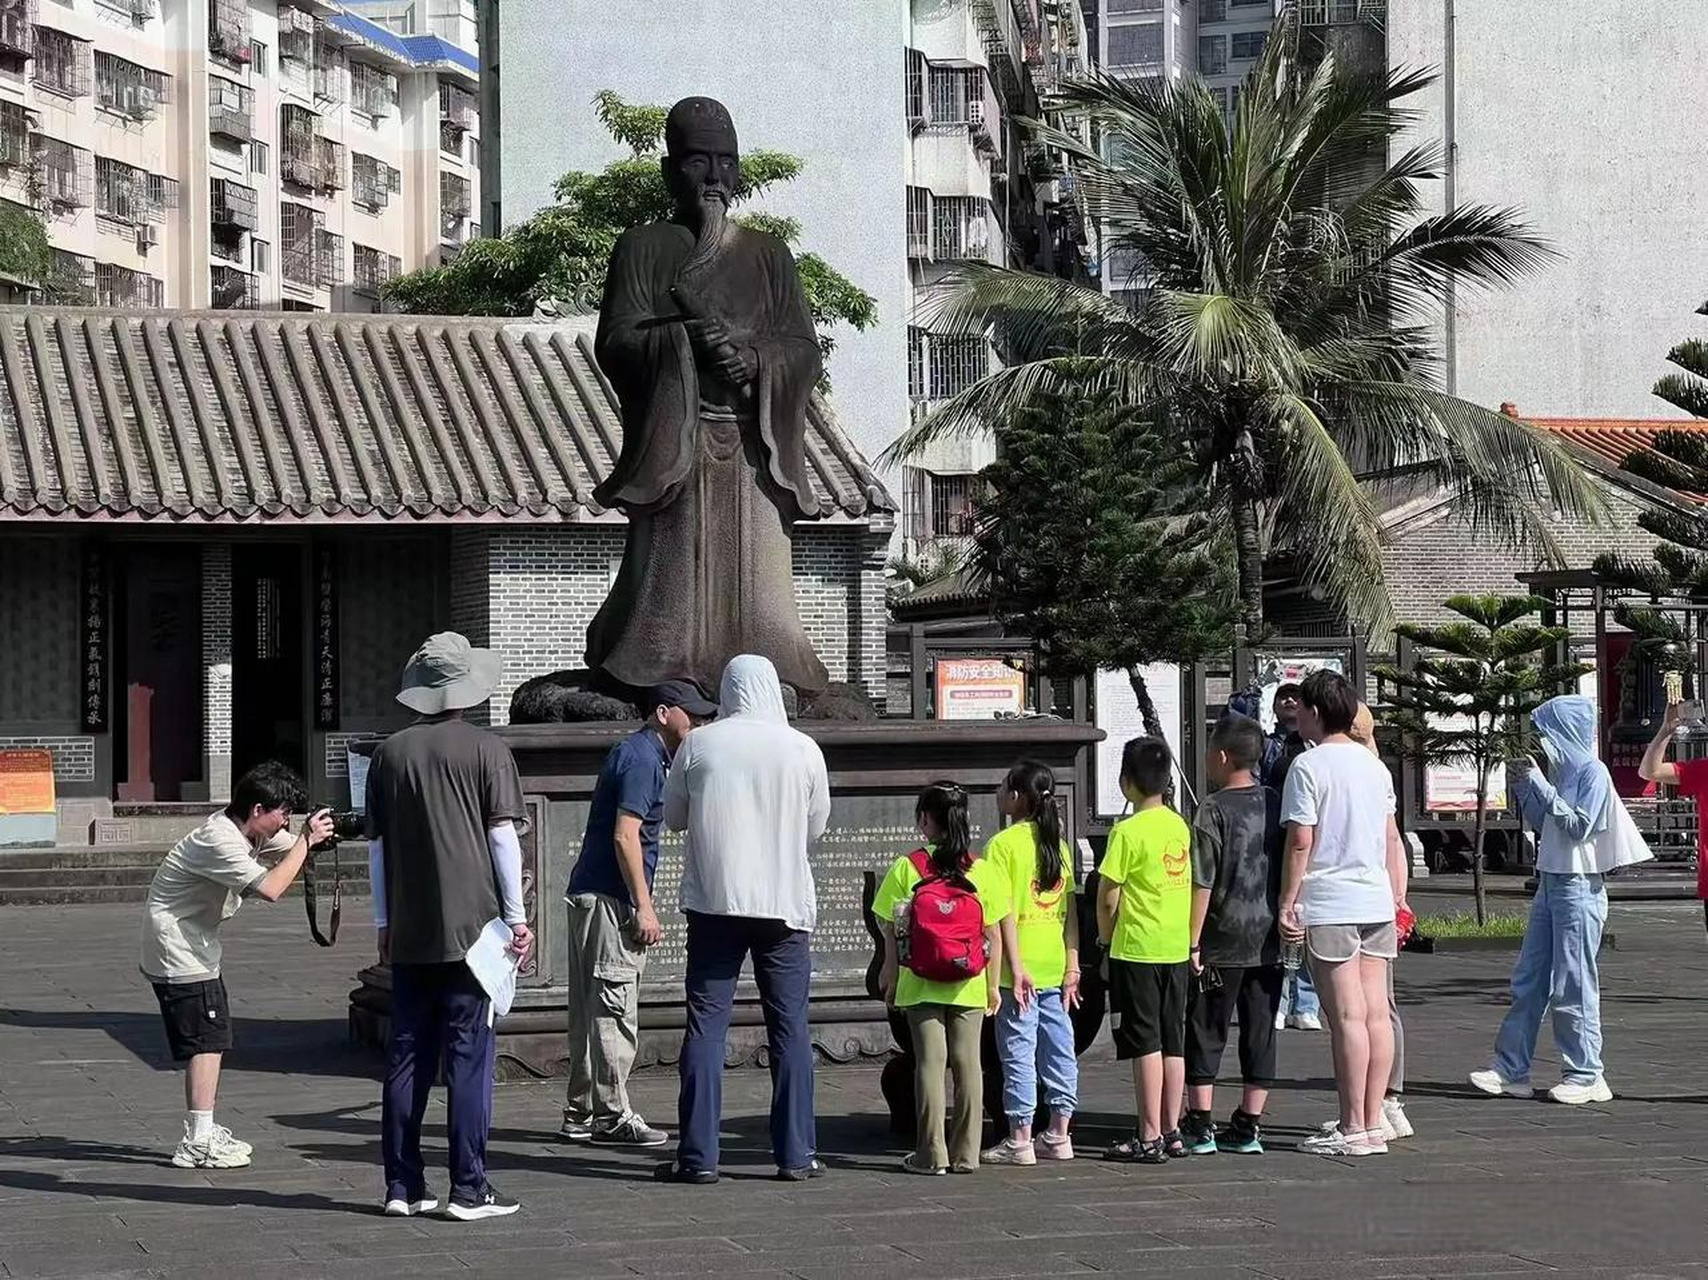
[(221, 536)]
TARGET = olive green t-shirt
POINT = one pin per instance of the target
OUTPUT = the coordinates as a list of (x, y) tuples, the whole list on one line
[(1150, 857), (1040, 911), (911, 989)]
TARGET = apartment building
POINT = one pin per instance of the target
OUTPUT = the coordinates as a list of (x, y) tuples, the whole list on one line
[(229, 154)]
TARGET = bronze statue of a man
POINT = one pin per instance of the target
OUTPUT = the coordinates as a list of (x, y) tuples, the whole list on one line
[(704, 332)]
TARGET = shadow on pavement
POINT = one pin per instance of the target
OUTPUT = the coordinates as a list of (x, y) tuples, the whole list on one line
[(306, 1046)]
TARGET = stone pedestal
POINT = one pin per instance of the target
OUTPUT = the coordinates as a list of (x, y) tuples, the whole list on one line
[(876, 771)]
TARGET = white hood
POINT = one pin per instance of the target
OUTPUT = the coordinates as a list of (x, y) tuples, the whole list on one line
[(751, 688)]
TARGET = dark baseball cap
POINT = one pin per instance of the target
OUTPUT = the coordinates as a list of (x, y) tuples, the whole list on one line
[(679, 693)]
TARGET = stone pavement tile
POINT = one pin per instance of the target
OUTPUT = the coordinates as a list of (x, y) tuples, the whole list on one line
[(298, 1269), (73, 1258), (1484, 1264), (995, 1258), (496, 1260)]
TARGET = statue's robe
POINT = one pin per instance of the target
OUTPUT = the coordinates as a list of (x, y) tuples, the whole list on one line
[(712, 476)]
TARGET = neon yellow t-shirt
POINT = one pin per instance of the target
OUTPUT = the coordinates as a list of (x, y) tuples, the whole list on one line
[(1040, 912), (911, 989), (1150, 857)]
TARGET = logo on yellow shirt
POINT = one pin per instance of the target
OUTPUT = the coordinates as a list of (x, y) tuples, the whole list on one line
[(1176, 863)]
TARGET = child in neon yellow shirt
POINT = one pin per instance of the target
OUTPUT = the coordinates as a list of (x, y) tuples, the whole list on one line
[(945, 1018), (1040, 945), (1144, 914)]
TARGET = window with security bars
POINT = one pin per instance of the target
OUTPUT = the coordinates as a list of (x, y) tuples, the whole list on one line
[(1334, 13), (328, 71), (456, 107), (299, 149), (128, 89), (1212, 55), (372, 92), (117, 286), (952, 91), (454, 204), (329, 259), (918, 69), (915, 363), (959, 228), (67, 173), (918, 222), (17, 29), (1212, 11), (1139, 6), (62, 65), (228, 31), (953, 364), (951, 499), (234, 206), (122, 192), (14, 134), (75, 272), (374, 270), (231, 109), (235, 289), (297, 31), (1249, 44), (373, 182), (329, 165), (1138, 45), (299, 232)]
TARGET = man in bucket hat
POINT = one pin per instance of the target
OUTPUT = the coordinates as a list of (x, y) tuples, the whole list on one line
[(444, 811)]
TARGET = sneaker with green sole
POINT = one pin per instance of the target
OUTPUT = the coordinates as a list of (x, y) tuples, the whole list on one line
[(1199, 1136)]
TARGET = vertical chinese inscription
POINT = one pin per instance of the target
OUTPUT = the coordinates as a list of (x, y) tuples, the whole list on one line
[(326, 635), (93, 639)]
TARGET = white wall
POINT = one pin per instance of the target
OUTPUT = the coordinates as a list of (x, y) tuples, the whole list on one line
[(1587, 116), (823, 82)]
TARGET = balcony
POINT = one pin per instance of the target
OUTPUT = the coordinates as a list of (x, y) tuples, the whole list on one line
[(372, 182), (299, 238), (17, 32), (454, 206), (231, 109), (235, 290), (373, 92), (117, 286), (233, 207), (229, 31), (329, 259), (457, 107), (67, 174), (299, 145), (374, 270), (960, 229), (62, 64), (127, 89), (985, 115), (1342, 13), (14, 135)]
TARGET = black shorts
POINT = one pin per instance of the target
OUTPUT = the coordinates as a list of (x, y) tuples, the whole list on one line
[(197, 1017), (1256, 993), (1149, 1001)]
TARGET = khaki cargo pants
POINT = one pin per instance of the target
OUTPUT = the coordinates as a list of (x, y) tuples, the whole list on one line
[(605, 967)]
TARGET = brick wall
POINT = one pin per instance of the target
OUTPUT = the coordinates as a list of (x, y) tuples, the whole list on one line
[(1443, 555), (216, 668), (543, 587), (39, 601), (73, 755)]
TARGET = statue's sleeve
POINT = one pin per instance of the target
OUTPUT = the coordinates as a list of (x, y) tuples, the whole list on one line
[(790, 364), (625, 346)]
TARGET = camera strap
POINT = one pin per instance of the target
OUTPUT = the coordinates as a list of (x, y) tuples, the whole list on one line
[(310, 898)]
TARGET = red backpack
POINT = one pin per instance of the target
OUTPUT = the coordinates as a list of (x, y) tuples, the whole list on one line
[(941, 935)]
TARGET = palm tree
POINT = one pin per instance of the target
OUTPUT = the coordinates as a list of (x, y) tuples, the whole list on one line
[(1285, 287)]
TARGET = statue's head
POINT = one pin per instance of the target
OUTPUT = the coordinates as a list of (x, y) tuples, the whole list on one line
[(701, 161)]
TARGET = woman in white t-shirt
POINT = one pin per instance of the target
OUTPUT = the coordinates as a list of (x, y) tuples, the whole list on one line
[(1343, 876)]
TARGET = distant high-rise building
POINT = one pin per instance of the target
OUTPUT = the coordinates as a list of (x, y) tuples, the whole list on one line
[(239, 153)]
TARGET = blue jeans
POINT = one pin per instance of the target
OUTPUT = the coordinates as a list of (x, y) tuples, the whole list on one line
[(782, 966), (1036, 1042), (1299, 994), (437, 1011), (1558, 966)]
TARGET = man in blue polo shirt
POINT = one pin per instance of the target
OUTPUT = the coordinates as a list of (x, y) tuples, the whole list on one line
[(612, 920)]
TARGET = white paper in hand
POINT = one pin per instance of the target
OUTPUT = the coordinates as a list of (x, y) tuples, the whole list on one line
[(494, 967)]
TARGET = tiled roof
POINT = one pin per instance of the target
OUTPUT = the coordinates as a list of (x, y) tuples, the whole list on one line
[(280, 417), (414, 50), (1612, 440)]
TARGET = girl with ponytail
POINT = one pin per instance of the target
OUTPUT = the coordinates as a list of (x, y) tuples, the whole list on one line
[(1040, 978), (945, 1017)]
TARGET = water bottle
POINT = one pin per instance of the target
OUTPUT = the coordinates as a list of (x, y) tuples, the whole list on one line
[(1293, 951)]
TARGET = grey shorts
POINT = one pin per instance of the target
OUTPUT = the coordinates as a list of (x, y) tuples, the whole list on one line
[(1334, 943)]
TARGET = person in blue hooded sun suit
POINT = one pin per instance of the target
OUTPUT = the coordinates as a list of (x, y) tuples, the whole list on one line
[(1557, 966)]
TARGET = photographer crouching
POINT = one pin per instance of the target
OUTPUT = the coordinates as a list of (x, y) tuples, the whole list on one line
[(200, 885)]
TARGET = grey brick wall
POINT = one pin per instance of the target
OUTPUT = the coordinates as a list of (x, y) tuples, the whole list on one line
[(1445, 555), (73, 755), (216, 668), (543, 587)]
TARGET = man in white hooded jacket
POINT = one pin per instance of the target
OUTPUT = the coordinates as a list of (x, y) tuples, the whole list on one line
[(752, 794)]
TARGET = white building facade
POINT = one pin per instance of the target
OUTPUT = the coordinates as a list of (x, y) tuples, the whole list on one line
[(234, 154)]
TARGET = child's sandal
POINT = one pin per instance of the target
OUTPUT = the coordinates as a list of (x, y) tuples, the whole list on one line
[(1174, 1145)]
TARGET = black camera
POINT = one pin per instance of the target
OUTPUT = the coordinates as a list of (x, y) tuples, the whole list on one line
[(347, 824)]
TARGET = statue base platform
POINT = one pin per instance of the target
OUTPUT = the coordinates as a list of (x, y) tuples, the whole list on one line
[(876, 771)]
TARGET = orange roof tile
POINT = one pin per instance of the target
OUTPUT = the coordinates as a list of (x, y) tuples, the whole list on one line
[(1614, 439)]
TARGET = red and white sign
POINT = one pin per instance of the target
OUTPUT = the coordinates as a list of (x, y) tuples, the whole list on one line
[(978, 689)]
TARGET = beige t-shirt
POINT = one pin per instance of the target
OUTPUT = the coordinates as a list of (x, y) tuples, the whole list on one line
[(198, 887)]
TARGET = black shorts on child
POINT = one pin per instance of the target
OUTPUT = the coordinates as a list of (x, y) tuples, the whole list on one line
[(1149, 1002), (1256, 993), (197, 1017)]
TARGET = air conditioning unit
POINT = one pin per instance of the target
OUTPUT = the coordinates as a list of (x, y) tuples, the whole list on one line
[(147, 236)]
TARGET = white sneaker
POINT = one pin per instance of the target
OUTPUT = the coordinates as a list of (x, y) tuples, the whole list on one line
[(211, 1154), (1575, 1095), (1304, 1022), (401, 1208), (1280, 1022), (1008, 1151), (1395, 1124), (1493, 1083), (1330, 1141), (223, 1137)]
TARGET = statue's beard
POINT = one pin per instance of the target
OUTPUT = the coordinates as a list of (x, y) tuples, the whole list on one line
[(713, 210)]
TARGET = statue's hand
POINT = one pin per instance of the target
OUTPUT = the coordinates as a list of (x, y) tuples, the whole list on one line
[(735, 366), (706, 335)]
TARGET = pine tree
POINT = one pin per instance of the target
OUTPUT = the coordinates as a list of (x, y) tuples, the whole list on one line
[(1468, 696), (1090, 546)]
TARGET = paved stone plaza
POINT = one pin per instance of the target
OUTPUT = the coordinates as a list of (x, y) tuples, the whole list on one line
[(89, 1111)]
